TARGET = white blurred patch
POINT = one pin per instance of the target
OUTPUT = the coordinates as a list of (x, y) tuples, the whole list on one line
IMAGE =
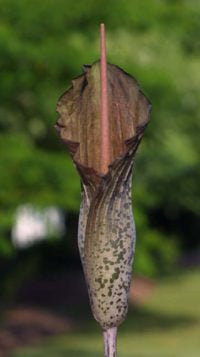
[(33, 225)]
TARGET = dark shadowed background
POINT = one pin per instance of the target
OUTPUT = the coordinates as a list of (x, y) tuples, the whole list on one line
[(44, 304)]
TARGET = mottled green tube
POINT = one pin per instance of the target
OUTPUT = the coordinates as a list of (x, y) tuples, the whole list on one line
[(106, 226)]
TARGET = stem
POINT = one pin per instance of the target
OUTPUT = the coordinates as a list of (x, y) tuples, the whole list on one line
[(110, 342), (105, 145)]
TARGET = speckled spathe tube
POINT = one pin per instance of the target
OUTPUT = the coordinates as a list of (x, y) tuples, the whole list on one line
[(106, 226)]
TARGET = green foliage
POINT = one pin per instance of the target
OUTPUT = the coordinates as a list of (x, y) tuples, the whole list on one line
[(155, 252), (43, 45)]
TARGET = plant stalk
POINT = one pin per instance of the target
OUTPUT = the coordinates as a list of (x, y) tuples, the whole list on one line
[(110, 342)]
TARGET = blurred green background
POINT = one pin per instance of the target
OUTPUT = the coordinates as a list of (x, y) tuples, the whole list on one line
[(43, 45)]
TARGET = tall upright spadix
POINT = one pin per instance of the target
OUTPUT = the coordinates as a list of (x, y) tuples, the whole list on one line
[(105, 144)]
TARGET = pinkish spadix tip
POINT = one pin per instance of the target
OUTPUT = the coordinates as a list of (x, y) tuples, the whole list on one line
[(105, 145)]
